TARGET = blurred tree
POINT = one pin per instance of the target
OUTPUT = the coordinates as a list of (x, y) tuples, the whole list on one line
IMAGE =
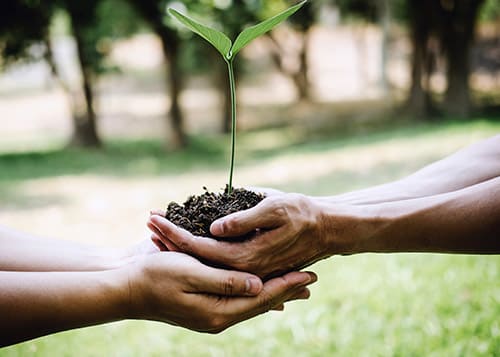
[(381, 12), (26, 23), (458, 23), (154, 14), (83, 23), (94, 24), (423, 38), (490, 11), (291, 56), (438, 29), (23, 23), (445, 28)]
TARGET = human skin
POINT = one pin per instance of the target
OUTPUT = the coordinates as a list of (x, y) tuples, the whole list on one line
[(451, 206), (58, 293)]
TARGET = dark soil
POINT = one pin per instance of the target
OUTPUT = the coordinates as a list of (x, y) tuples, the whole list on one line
[(198, 212)]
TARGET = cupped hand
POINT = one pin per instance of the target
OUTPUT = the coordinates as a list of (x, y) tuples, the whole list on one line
[(178, 289), (285, 236)]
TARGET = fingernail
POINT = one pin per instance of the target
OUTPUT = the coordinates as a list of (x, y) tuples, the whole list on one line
[(252, 286), (313, 278), (217, 228), (309, 279)]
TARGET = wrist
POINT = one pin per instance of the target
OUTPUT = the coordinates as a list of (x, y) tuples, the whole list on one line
[(133, 277), (116, 291), (109, 258), (350, 229)]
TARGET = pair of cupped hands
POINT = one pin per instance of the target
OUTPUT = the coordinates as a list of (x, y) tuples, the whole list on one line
[(208, 285)]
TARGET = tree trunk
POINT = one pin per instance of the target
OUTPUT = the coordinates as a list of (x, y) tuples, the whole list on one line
[(153, 13), (419, 102), (298, 74), (84, 119), (456, 37), (178, 138), (300, 77)]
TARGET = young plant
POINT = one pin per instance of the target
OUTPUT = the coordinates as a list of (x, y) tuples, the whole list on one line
[(228, 50)]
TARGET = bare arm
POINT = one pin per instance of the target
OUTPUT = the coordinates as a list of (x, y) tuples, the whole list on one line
[(462, 221), (24, 252), (34, 304), (475, 164), (168, 287)]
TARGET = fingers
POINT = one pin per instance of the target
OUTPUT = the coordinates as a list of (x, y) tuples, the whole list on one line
[(224, 282), (207, 248), (274, 293), (158, 243), (266, 214), (163, 244), (228, 311)]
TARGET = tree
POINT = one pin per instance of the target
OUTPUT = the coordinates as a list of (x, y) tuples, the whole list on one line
[(422, 21), (301, 24), (25, 23), (152, 12), (459, 20), (444, 28), (82, 17)]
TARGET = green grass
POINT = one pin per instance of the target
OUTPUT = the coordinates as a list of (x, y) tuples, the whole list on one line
[(364, 305)]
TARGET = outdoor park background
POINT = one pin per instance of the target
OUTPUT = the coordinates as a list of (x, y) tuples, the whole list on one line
[(359, 94)]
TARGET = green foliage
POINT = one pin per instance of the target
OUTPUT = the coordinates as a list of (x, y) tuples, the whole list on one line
[(490, 11), (229, 50), (370, 10), (23, 23)]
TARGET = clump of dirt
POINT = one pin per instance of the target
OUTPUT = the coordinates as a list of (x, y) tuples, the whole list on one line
[(198, 212)]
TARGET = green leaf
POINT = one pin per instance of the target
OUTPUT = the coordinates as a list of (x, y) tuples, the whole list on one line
[(216, 38), (251, 33)]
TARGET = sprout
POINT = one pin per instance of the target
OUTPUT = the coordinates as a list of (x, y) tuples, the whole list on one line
[(229, 50)]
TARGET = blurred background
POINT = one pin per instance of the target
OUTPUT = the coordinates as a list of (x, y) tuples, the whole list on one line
[(109, 108)]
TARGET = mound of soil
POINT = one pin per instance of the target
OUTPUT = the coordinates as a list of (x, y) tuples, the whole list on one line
[(198, 212)]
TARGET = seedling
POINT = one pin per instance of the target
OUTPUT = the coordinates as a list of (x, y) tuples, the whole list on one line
[(229, 50)]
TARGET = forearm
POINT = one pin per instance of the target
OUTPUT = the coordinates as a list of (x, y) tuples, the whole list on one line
[(475, 164), (23, 252), (36, 304), (462, 221)]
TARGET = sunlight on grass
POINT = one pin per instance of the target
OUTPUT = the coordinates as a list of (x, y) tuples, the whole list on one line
[(364, 305)]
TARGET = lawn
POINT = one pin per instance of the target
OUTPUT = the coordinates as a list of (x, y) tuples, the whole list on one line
[(362, 305)]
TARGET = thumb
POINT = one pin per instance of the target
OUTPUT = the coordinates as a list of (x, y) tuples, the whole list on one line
[(264, 215)]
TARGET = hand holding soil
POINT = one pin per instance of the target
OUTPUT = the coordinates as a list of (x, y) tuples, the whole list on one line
[(282, 234)]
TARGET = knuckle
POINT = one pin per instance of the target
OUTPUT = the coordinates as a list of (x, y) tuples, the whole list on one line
[(230, 224), (301, 208), (184, 246), (276, 205), (228, 285)]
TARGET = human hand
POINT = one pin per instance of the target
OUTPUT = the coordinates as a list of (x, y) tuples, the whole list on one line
[(287, 235), (178, 289)]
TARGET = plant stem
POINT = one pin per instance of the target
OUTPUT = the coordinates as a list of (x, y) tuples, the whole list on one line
[(232, 89)]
